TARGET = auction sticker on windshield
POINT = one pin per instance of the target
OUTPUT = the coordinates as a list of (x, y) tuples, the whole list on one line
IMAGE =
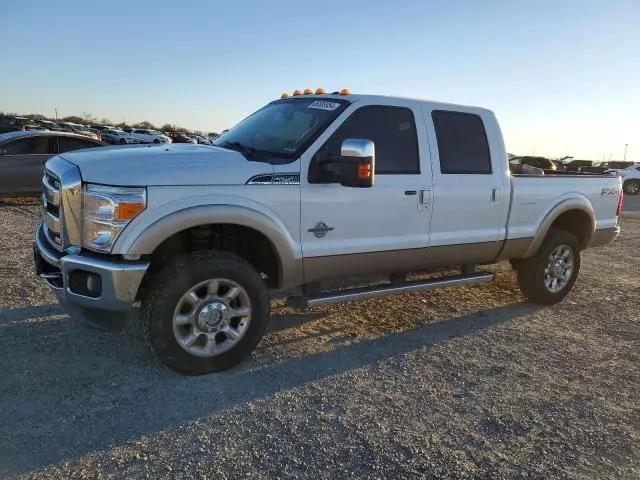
[(324, 105)]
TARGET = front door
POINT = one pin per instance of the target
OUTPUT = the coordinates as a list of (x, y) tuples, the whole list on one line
[(22, 163), (382, 229)]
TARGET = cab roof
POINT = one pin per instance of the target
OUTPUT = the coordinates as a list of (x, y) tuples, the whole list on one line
[(382, 99)]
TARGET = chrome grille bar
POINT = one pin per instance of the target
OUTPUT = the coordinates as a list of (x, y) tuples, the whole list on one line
[(61, 204)]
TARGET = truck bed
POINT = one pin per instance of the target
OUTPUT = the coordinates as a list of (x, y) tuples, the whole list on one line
[(534, 196)]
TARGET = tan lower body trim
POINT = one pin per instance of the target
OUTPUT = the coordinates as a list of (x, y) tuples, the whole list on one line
[(397, 261)]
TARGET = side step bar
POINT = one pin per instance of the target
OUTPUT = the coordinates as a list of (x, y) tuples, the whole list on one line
[(388, 289)]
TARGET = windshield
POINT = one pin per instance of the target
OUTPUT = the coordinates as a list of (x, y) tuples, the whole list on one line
[(282, 127)]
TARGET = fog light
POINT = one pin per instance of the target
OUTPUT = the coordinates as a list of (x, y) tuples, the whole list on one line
[(84, 283), (93, 283)]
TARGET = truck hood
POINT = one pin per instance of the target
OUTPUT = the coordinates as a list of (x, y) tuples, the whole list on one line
[(170, 164)]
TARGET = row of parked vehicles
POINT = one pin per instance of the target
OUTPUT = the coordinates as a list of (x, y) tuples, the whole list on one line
[(629, 171), (106, 133)]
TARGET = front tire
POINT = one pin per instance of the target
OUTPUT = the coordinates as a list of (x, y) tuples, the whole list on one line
[(205, 312), (122, 141), (155, 140), (550, 274), (632, 187)]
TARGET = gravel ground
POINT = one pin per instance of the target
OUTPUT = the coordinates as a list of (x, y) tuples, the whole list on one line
[(467, 382)]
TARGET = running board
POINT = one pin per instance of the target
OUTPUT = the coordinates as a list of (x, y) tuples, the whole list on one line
[(387, 289)]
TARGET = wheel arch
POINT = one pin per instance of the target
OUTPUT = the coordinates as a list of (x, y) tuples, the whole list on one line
[(152, 237), (575, 215)]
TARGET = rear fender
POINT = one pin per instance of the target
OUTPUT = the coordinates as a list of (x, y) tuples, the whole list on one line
[(567, 205)]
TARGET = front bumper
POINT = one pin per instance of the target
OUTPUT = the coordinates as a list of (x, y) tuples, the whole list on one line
[(91, 283)]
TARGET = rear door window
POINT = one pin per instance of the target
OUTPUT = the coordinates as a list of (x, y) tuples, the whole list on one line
[(462, 143)]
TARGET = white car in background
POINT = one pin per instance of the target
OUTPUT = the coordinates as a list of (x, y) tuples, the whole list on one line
[(630, 178), (144, 135), (117, 136)]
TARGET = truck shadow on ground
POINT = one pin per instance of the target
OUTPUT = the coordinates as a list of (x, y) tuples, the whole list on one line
[(79, 390)]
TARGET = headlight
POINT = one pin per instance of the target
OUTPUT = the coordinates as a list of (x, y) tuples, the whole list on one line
[(105, 213)]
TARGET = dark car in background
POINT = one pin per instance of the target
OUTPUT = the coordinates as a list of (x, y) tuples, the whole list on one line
[(538, 162), (12, 123), (606, 166), (578, 165), (49, 125), (23, 154), (179, 137)]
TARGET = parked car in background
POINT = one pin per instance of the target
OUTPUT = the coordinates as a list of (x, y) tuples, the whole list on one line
[(630, 177), (117, 136), (578, 165), (79, 129), (606, 166), (538, 162), (100, 128), (179, 137), (202, 140), (559, 165), (12, 123), (23, 154), (49, 125), (144, 135)]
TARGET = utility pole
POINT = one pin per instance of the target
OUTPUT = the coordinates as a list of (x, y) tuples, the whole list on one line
[(625, 151), (56, 110)]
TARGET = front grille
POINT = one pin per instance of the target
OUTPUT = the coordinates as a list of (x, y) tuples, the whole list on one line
[(61, 204), (51, 209)]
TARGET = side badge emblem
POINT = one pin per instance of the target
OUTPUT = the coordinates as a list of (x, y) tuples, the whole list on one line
[(320, 229)]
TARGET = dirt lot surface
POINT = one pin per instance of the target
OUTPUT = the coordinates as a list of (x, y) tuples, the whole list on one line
[(466, 382)]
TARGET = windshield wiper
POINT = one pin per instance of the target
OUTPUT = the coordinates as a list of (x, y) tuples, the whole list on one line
[(250, 151)]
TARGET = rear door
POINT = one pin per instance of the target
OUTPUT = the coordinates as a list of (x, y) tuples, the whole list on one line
[(471, 186), (22, 163)]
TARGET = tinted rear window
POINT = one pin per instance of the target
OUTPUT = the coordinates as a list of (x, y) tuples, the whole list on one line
[(462, 143)]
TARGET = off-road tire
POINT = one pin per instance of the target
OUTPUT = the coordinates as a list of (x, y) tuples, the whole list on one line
[(175, 279), (531, 271)]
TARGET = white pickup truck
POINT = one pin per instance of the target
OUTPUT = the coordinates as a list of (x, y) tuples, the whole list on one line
[(309, 188)]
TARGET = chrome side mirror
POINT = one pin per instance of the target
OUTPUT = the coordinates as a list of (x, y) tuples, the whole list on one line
[(357, 163)]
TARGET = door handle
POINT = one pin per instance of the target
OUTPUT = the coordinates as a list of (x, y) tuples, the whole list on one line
[(495, 194), (425, 197)]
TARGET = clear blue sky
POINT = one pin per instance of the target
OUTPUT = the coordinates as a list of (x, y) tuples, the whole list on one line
[(563, 76)]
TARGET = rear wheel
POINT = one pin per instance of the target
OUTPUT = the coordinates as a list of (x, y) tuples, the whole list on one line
[(205, 312), (632, 187), (550, 274), (155, 140)]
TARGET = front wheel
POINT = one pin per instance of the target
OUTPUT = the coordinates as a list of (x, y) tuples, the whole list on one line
[(122, 141), (205, 312), (632, 187), (155, 140), (550, 274)]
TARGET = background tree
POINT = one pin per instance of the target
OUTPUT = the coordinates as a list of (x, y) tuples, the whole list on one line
[(74, 119), (146, 125)]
